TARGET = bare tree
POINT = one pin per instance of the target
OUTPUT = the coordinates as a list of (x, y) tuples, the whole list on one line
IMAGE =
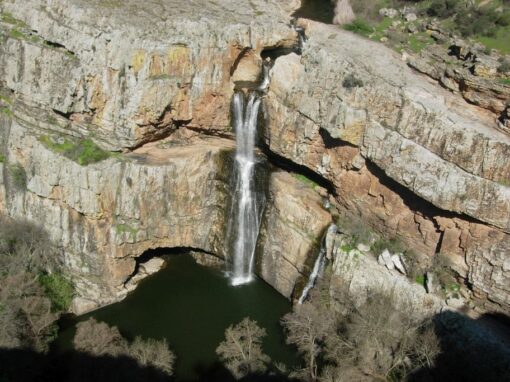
[(98, 338), (242, 349), (382, 341), (307, 328), (153, 353)]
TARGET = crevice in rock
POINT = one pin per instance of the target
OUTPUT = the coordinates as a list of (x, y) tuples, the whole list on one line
[(56, 45), (441, 237), (63, 114), (211, 132), (273, 53), (330, 142), (162, 252), (163, 133), (415, 202), (292, 167), (238, 59)]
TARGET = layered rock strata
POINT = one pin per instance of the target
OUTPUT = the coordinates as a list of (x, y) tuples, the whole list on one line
[(410, 159)]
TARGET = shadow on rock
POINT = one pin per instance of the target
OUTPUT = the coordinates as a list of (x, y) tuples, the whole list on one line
[(471, 350)]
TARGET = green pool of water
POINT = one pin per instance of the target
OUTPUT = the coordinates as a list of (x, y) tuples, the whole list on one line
[(191, 306)]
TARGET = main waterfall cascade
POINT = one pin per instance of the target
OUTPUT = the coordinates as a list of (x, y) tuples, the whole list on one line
[(318, 266), (247, 210)]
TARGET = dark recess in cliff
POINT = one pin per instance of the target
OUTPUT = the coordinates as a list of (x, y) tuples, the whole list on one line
[(290, 166), (318, 10), (162, 252)]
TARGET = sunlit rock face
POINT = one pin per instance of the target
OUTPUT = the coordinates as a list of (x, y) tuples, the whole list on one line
[(410, 159)]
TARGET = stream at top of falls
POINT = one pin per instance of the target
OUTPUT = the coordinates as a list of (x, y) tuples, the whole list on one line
[(191, 305)]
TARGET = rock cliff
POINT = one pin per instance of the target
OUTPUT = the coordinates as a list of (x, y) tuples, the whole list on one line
[(153, 81)]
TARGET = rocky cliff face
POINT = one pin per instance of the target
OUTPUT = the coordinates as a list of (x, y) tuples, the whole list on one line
[(410, 159)]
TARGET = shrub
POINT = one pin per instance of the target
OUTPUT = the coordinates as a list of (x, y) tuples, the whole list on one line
[(359, 26), (393, 245), (443, 8), (504, 67), (2, 158), (504, 19), (58, 289), (351, 81), (18, 176)]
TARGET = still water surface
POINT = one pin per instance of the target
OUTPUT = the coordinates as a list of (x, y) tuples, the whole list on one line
[(191, 306)]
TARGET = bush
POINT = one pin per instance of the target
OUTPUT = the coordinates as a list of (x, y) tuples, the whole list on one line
[(504, 67), (18, 176), (2, 158), (504, 19), (58, 289), (359, 26), (393, 245), (86, 152), (351, 81), (444, 8)]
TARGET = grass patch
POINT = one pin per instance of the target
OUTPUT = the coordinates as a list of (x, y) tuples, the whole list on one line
[(305, 180), (124, 228), (504, 81), (5, 99), (161, 77), (18, 176), (17, 34), (2, 158), (380, 28), (58, 289), (9, 19), (420, 279), (392, 245), (359, 26), (500, 41), (83, 152), (419, 41), (5, 110)]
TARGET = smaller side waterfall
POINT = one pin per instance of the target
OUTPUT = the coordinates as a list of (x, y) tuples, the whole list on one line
[(318, 267)]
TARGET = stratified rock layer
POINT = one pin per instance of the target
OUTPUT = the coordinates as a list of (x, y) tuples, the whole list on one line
[(409, 158)]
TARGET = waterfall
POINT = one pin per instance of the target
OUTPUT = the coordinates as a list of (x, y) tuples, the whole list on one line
[(266, 78), (318, 266), (245, 222)]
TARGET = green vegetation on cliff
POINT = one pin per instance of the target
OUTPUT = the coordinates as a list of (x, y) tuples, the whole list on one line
[(83, 151), (58, 289)]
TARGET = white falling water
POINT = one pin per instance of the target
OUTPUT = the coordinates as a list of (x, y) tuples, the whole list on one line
[(247, 212), (318, 267), (266, 77)]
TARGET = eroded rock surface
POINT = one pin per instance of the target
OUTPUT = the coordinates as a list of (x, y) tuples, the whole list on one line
[(414, 161), (409, 158)]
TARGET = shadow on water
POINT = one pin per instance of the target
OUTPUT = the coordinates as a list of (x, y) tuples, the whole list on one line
[(318, 10), (470, 350), (24, 365), (191, 306)]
